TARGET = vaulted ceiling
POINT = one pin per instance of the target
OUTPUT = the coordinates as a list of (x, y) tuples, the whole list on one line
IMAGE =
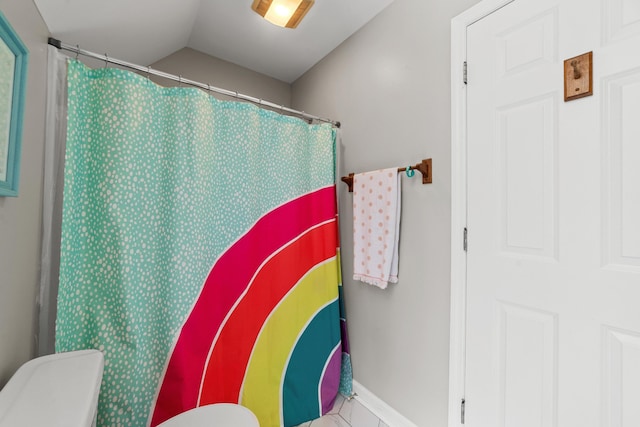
[(145, 31)]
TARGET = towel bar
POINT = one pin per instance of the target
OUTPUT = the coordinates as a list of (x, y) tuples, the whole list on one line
[(424, 167)]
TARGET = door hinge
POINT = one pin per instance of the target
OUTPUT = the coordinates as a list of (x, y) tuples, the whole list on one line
[(464, 240), (462, 407), (464, 72)]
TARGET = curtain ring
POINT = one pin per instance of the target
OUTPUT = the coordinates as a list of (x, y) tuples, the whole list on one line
[(77, 51), (209, 89), (179, 81), (410, 172), (106, 61), (148, 71)]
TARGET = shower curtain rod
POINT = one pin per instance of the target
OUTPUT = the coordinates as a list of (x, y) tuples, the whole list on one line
[(148, 70)]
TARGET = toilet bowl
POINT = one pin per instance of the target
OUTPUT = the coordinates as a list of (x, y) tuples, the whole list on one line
[(59, 390), (217, 414)]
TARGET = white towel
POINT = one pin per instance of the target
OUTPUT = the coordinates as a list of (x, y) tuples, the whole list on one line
[(376, 226)]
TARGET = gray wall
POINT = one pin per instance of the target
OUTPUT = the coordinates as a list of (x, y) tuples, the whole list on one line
[(203, 68), (389, 85), (20, 217)]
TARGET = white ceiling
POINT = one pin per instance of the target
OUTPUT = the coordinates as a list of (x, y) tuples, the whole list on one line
[(145, 31)]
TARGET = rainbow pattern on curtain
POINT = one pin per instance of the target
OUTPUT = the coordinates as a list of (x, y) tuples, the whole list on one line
[(199, 253), (265, 328)]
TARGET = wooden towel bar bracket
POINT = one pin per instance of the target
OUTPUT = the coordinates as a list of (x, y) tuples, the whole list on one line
[(424, 167)]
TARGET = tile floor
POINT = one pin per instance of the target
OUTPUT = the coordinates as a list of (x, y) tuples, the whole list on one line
[(346, 413)]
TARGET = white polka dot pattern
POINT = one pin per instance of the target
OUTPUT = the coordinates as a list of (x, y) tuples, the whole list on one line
[(158, 182)]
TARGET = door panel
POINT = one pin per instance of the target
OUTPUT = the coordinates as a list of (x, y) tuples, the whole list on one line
[(527, 141), (621, 212), (528, 366), (528, 44), (621, 367), (553, 217), (621, 19)]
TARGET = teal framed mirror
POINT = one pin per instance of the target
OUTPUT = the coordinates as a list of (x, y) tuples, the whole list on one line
[(13, 74)]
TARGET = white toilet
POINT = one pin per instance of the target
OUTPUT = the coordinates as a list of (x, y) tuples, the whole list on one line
[(60, 390), (217, 414)]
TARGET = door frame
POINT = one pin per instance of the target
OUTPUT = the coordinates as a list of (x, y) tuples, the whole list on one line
[(457, 332)]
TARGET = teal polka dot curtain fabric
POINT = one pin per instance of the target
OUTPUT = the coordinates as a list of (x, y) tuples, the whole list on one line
[(199, 253)]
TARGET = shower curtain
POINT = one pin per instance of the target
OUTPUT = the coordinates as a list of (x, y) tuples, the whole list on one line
[(199, 252)]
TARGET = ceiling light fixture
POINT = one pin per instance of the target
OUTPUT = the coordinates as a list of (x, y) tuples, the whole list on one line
[(283, 13)]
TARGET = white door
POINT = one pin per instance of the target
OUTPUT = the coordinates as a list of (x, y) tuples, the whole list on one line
[(553, 205)]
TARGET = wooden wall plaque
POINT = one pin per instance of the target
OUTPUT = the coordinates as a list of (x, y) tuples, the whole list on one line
[(578, 77)]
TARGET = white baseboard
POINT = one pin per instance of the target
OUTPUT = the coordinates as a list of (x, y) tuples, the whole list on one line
[(379, 408)]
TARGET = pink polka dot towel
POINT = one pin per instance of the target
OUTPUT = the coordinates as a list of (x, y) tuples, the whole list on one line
[(376, 226)]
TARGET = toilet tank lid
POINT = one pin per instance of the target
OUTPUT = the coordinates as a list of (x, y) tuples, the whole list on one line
[(54, 391)]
